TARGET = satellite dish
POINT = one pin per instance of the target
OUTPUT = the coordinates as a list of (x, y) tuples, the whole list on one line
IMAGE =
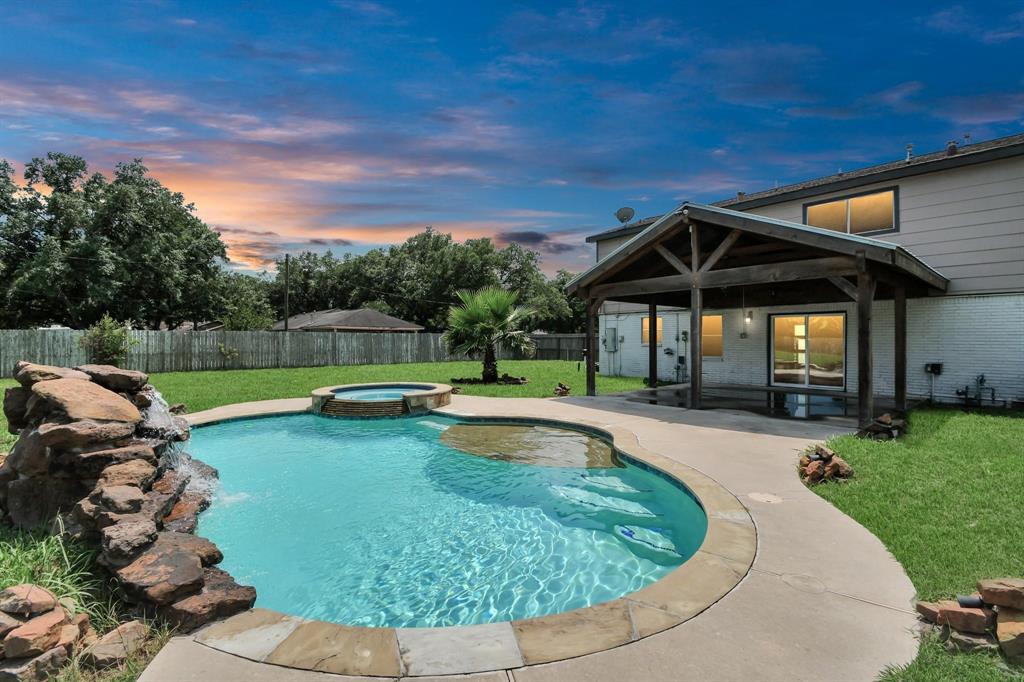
[(624, 214)]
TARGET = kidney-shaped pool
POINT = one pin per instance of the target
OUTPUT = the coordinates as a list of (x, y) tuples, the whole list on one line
[(427, 522)]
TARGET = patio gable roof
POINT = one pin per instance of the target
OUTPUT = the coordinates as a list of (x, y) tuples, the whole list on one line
[(740, 249)]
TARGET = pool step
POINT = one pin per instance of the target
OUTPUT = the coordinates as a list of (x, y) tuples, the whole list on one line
[(627, 508), (363, 408), (648, 540), (613, 485), (433, 425)]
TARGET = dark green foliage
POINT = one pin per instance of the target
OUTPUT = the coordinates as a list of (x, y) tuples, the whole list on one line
[(419, 279), (108, 342), (74, 247), (488, 318)]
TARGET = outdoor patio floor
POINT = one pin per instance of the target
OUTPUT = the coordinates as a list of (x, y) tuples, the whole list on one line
[(823, 599)]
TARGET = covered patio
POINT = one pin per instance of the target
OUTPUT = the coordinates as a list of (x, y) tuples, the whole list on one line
[(702, 257)]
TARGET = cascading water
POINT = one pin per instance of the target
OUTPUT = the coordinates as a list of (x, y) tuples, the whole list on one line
[(160, 427)]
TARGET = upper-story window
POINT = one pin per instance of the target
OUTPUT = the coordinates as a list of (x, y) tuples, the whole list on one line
[(874, 211)]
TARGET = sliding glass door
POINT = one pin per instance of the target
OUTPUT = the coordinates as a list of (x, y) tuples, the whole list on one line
[(809, 350)]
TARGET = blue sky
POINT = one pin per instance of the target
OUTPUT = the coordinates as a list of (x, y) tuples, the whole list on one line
[(353, 124)]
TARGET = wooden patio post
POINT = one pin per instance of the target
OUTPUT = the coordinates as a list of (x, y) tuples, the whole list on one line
[(865, 374), (899, 305), (696, 321), (591, 347), (652, 344)]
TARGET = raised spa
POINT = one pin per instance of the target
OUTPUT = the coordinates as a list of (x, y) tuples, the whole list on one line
[(428, 521), (390, 392)]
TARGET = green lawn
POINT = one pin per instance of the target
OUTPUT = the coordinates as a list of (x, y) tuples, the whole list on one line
[(946, 500), (203, 390)]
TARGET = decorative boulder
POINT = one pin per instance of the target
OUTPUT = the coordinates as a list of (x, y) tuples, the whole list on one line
[(120, 499), (29, 456), (126, 538), (37, 669), (16, 407), (1010, 632), (114, 378), (28, 373), (161, 575), (84, 433), (136, 472), (92, 464), (36, 636), (116, 646), (965, 619), (86, 400), (1003, 592), (26, 600), (220, 597)]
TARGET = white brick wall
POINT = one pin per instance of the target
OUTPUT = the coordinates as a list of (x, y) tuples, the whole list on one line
[(971, 335)]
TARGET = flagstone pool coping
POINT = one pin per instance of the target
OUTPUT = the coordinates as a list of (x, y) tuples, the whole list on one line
[(721, 562)]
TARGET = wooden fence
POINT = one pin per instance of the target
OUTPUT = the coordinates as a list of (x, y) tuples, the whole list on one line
[(162, 351)]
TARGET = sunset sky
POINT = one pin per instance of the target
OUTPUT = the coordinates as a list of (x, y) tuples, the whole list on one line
[(352, 124)]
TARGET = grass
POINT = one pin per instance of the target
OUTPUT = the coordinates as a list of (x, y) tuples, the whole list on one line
[(946, 501), (203, 390), (69, 570)]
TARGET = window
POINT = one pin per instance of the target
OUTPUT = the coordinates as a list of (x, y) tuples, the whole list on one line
[(645, 331), (711, 336), (809, 350), (872, 212)]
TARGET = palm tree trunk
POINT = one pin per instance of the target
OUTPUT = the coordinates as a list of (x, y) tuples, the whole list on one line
[(490, 374)]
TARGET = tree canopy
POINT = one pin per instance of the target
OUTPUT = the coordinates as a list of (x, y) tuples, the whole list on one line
[(75, 246), (420, 278)]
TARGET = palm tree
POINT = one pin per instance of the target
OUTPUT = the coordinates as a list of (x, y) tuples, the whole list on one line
[(487, 317)]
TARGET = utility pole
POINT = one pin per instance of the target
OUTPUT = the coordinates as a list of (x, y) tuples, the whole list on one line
[(286, 258)]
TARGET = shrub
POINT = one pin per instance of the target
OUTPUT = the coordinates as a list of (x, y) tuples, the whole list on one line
[(108, 341)]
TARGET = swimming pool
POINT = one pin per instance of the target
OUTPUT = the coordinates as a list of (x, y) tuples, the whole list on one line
[(383, 523)]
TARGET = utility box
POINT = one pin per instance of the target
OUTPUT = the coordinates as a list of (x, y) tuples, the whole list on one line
[(611, 339)]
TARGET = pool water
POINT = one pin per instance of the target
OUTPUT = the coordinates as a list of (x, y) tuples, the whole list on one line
[(377, 392), (379, 523)]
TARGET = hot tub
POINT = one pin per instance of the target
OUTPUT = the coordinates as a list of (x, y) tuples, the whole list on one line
[(379, 399)]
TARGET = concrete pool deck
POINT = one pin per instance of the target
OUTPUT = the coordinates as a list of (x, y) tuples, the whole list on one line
[(822, 600)]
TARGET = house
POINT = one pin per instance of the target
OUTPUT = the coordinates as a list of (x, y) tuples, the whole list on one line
[(335, 320), (901, 280)]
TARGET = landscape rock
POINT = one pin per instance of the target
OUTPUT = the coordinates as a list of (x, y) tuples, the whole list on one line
[(7, 623), (16, 407), (928, 610), (220, 597), (114, 378), (1003, 592), (126, 538), (184, 515), (28, 374), (36, 636), (84, 433), (165, 493), (178, 409), (162, 574), (91, 464), (136, 472), (116, 646), (26, 600), (37, 669), (208, 553), (69, 638), (29, 456), (34, 501), (86, 400), (838, 468), (120, 499), (815, 471), (968, 641), (1010, 632), (978, 621)]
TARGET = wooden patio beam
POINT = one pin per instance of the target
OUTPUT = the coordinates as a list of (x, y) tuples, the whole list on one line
[(717, 254), (845, 286), (673, 259), (696, 322), (788, 271)]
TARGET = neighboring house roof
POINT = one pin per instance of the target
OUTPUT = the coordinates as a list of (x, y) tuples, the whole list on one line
[(363, 319), (990, 150), (782, 230)]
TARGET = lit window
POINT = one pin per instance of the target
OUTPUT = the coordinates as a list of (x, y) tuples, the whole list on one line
[(875, 212), (711, 336), (645, 331)]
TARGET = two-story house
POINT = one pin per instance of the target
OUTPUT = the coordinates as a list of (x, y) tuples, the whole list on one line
[(906, 278)]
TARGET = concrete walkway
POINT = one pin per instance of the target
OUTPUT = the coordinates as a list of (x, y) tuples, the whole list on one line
[(823, 600)]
